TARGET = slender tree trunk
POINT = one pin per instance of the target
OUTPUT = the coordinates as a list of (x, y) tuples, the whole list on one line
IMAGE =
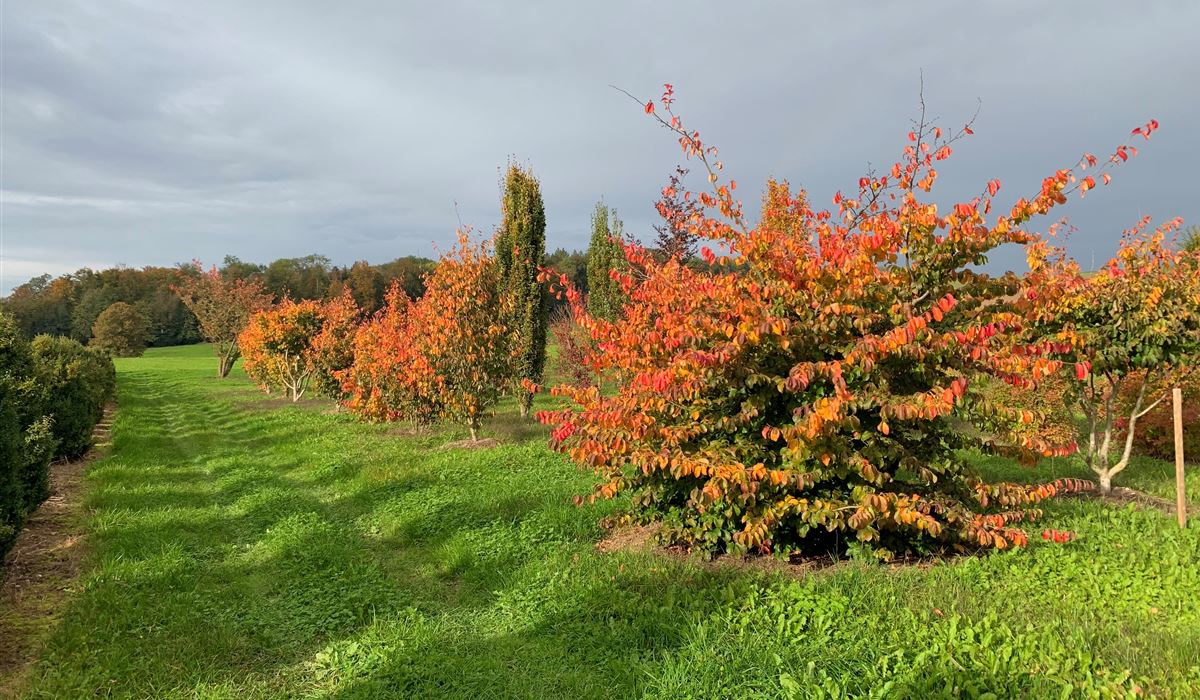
[(525, 402), (1107, 472), (473, 426)]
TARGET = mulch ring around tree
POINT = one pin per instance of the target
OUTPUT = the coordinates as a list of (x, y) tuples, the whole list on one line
[(1121, 495), (40, 572)]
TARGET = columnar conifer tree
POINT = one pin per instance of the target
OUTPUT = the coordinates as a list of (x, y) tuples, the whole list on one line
[(520, 253), (605, 254)]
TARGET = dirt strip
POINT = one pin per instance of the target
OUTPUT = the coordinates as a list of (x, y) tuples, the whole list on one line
[(41, 571)]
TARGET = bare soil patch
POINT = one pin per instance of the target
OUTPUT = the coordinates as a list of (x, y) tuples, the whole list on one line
[(41, 571), (644, 538), (469, 444)]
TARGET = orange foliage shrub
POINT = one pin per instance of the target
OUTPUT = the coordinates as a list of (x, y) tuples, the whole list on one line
[(448, 355), (815, 381), (333, 345), (277, 346)]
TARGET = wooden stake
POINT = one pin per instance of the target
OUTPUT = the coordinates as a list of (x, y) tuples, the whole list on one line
[(1180, 500)]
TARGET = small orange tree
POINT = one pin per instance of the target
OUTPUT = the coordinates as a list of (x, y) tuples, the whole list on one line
[(386, 377), (333, 346), (816, 380), (1123, 331), (461, 333), (222, 306), (448, 355), (277, 346)]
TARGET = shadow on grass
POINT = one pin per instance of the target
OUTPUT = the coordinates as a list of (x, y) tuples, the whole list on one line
[(228, 544)]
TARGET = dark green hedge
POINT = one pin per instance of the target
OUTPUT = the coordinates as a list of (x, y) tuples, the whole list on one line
[(52, 394)]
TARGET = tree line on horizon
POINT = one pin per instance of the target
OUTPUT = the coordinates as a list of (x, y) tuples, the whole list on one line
[(71, 304)]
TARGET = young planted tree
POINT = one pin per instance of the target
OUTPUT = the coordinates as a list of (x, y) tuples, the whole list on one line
[(572, 344), (460, 331), (604, 256), (520, 253), (332, 349), (816, 381), (389, 378), (448, 355), (121, 330), (222, 306), (680, 213), (1123, 331), (277, 346)]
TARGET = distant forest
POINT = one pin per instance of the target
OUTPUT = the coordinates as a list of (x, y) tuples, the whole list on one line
[(68, 305)]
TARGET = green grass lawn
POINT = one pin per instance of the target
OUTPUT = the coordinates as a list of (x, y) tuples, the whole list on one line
[(243, 548)]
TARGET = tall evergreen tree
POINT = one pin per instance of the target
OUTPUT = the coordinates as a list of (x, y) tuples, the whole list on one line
[(520, 252), (605, 297)]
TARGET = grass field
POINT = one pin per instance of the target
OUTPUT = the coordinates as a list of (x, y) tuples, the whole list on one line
[(241, 547)]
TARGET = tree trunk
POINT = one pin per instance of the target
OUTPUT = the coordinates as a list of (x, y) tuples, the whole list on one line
[(473, 426), (225, 366), (525, 402), (1138, 411)]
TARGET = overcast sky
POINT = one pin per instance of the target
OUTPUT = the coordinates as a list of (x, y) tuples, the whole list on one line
[(156, 132)]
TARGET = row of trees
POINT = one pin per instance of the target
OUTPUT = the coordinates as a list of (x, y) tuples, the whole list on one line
[(476, 334), (476, 331), (70, 305), (804, 380), (52, 394)]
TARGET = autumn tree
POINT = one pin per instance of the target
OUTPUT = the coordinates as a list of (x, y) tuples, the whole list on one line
[(676, 235), (122, 330), (277, 345), (448, 355), (332, 349), (572, 344), (389, 378), (366, 284), (604, 256), (816, 382), (520, 253), (1124, 330), (461, 333), (222, 306)]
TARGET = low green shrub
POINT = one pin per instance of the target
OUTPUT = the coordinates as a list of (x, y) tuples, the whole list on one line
[(71, 383)]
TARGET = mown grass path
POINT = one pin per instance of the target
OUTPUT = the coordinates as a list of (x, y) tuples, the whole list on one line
[(244, 548)]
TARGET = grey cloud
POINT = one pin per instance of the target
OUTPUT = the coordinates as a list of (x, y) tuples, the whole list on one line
[(155, 132)]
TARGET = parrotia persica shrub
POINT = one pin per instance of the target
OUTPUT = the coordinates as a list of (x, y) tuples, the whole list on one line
[(1125, 332), (333, 345), (815, 381), (222, 306), (384, 378), (448, 355), (277, 346)]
